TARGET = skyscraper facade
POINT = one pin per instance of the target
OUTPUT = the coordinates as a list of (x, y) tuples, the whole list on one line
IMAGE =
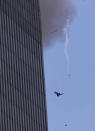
[(22, 88)]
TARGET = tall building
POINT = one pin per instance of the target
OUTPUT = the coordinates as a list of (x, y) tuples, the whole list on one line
[(22, 88)]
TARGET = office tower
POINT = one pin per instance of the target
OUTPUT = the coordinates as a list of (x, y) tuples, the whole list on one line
[(22, 88)]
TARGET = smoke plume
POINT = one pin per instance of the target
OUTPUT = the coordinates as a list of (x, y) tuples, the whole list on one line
[(54, 15)]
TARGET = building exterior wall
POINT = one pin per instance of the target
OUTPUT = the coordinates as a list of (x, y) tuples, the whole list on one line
[(22, 88)]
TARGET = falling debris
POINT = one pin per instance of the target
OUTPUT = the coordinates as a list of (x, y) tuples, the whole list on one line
[(65, 125)]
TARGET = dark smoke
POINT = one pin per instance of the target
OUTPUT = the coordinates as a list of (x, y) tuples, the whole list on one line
[(54, 14)]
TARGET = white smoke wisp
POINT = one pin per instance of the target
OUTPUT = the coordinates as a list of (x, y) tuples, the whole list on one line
[(66, 53), (54, 15)]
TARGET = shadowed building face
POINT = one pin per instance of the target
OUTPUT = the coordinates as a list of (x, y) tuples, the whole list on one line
[(22, 91)]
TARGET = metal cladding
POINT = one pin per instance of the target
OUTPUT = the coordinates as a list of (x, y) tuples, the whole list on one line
[(22, 88)]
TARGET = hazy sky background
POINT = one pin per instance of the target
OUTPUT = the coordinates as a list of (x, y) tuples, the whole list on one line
[(77, 106)]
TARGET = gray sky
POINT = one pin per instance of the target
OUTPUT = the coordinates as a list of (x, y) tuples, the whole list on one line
[(77, 106)]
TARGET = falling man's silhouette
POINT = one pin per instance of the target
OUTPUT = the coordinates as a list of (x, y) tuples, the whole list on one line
[(58, 94)]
